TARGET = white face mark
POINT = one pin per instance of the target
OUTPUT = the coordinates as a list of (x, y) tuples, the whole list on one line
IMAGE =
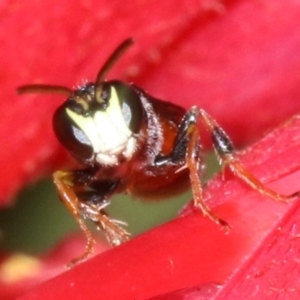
[(106, 132)]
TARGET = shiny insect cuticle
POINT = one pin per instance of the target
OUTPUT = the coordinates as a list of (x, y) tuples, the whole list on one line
[(128, 141)]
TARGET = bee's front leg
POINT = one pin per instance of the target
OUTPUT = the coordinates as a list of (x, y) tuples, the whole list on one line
[(86, 197)]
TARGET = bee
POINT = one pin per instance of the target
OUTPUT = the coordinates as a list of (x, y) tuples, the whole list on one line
[(131, 142)]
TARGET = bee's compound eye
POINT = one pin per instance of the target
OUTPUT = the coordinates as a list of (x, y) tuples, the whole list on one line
[(130, 104), (71, 136)]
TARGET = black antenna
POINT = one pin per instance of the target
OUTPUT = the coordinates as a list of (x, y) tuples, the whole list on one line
[(57, 89), (44, 88), (112, 59)]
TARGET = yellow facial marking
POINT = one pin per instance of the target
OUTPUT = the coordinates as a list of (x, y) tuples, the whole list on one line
[(107, 130)]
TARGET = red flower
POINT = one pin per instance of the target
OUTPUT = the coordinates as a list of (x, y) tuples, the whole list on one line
[(237, 59)]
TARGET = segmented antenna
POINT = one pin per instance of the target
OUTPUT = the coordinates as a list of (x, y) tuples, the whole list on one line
[(112, 59), (57, 89), (44, 89)]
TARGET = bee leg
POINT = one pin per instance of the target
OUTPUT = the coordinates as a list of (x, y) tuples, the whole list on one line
[(187, 153), (225, 153), (189, 132), (89, 204)]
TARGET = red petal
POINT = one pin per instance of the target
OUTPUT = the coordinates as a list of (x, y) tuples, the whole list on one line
[(192, 251), (237, 59), (20, 272)]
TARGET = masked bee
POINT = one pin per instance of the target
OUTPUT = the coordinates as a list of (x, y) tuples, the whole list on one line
[(130, 142)]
